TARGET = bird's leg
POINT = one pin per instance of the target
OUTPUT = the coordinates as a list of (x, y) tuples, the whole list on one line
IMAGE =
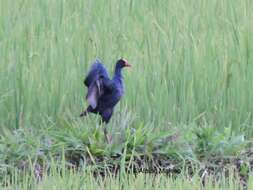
[(107, 136), (108, 139), (106, 115)]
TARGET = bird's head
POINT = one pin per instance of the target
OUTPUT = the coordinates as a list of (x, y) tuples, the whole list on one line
[(121, 63)]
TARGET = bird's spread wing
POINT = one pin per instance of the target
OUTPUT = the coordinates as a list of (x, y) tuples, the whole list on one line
[(95, 90), (98, 83), (96, 72)]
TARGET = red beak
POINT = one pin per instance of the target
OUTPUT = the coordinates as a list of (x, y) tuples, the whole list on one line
[(127, 65)]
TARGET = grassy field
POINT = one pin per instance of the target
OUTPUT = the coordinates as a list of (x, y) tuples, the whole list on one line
[(188, 98), (72, 180)]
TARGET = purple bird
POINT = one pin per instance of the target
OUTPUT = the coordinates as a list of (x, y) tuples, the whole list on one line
[(104, 93)]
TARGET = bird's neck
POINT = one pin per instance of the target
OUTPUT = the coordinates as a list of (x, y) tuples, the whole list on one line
[(117, 75)]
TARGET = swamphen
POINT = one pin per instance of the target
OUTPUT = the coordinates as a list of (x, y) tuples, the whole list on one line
[(104, 93)]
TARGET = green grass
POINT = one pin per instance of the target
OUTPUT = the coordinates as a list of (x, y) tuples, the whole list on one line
[(141, 181), (191, 78), (69, 179)]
